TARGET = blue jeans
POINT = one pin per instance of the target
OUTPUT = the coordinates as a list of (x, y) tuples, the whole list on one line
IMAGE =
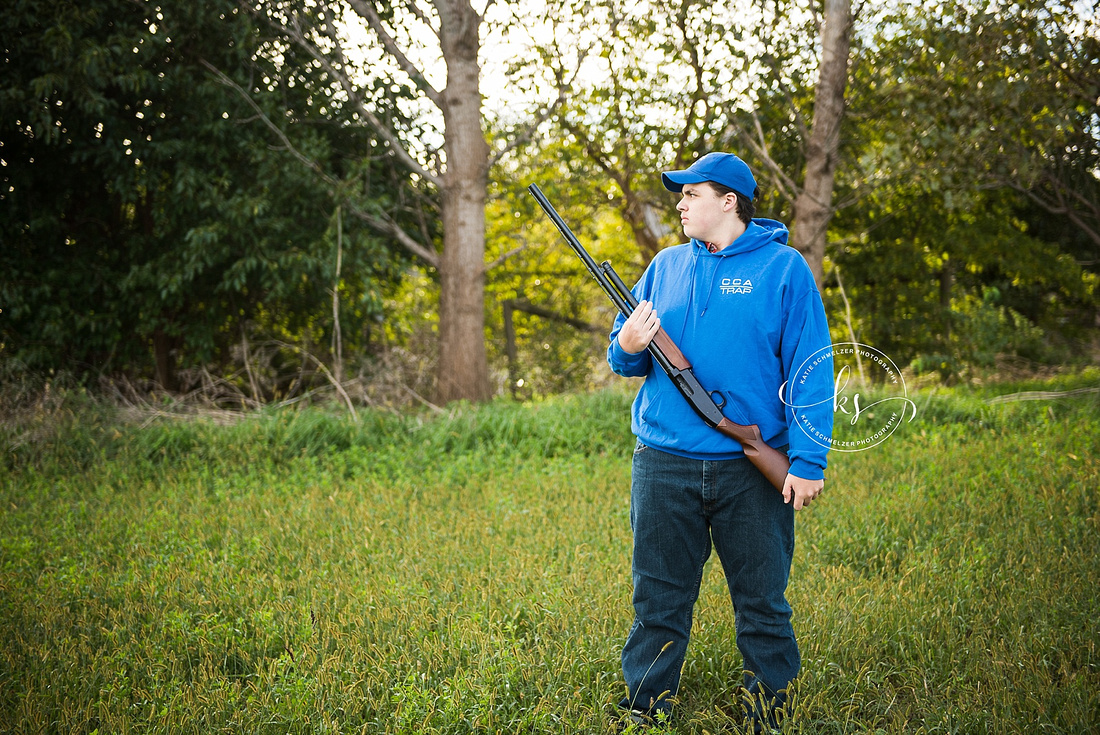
[(678, 507)]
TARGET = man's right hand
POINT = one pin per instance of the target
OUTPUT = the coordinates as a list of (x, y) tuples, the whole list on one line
[(639, 328)]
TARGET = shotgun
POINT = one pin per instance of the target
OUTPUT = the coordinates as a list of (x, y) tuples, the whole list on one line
[(772, 463)]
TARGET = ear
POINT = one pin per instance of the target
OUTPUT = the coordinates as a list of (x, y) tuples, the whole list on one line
[(730, 202)]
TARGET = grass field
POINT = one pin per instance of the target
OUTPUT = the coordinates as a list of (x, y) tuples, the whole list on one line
[(297, 572)]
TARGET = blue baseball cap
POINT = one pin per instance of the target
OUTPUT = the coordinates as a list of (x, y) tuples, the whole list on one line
[(723, 168)]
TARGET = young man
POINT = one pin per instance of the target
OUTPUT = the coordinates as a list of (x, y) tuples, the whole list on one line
[(744, 308)]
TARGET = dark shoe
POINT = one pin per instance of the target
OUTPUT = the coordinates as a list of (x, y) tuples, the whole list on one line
[(631, 720), (637, 721)]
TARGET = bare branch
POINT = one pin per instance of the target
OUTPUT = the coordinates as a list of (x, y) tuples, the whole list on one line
[(578, 324), (396, 145), (698, 94), (335, 383), (287, 145), (596, 154), (787, 187), (817, 18), (383, 223), (500, 260), (380, 223), (848, 320), (414, 9), (800, 121), (1060, 207), (366, 11), (488, 5), (528, 131), (531, 128)]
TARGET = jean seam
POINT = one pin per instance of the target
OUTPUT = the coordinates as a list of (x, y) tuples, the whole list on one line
[(675, 672)]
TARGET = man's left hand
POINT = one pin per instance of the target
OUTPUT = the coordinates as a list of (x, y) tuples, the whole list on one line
[(801, 491)]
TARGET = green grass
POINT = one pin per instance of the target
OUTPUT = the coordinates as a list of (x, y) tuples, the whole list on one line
[(297, 572)]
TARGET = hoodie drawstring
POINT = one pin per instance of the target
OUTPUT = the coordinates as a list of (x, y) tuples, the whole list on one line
[(694, 277), (691, 294), (710, 289), (713, 275)]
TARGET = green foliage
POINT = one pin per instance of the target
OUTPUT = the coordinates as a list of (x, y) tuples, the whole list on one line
[(965, 124), (144, 204), (469, 572), (539, 268), (70, 432), (966, 117), (661, 88), (146, 209)]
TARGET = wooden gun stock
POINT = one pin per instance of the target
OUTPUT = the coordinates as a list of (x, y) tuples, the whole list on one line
[(772, 463)]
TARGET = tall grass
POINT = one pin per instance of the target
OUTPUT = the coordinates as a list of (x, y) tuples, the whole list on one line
[(299, 572)]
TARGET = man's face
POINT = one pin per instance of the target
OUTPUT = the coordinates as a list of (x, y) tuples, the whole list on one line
[(703, 213)]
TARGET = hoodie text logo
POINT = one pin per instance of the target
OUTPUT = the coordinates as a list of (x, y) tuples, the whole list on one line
[(736, 285)]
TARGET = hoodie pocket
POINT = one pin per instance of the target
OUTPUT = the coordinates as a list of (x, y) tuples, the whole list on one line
[(652, 408)]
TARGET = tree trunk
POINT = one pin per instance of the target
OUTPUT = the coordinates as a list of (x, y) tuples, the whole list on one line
[(814, 206), (947, 283), (463, 371), (165, 358), (643, 223)]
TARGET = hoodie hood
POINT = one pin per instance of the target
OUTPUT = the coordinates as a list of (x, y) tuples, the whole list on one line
[(759, 233)]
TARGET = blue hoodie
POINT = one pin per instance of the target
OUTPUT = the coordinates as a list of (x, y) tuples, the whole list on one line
[(750, 320)]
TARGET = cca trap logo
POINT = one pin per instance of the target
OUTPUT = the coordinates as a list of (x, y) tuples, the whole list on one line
[(869, 399)]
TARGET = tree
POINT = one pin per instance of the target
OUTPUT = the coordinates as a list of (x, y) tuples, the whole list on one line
[(1000, 95), (1038, 63), (139, 216), (559, 316), (813, 207), (704, 77), (453, 159), (641, 115), (961, 111)]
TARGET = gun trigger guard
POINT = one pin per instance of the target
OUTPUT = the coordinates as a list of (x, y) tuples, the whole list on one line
[(718, 398)]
